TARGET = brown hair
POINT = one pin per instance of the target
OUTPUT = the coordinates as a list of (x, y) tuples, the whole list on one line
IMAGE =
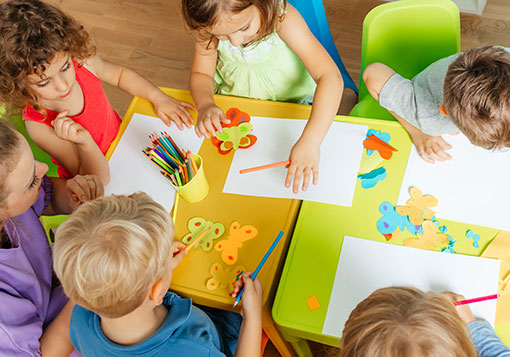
[(477, 96), (111, 251), (202, 14), (9, 144), (404, 321), (31, 34)]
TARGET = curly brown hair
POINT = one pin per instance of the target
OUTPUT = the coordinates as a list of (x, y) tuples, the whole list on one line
[(31, 34), (477, 96), (202, 14)]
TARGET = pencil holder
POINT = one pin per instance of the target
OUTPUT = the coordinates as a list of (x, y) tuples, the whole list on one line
[(197, 188)]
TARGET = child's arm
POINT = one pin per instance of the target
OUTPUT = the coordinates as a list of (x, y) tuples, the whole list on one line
[(250, 336), (71, 145), (306, 152), (209, 117), (69, 194), (429, 147), (55, 340), (167, 108)]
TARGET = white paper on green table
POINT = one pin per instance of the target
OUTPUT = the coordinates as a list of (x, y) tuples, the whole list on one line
[(472, 187), (339, 163), (365, 266), (131, 171)]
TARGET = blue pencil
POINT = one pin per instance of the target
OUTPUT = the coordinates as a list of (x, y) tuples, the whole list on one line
[(261, 264)]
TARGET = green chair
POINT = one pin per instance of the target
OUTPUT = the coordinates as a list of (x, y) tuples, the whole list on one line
[(407, 36)]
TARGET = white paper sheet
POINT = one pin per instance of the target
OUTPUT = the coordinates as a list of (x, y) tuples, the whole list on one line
[(472, 188), (131, 171), (341, 153), (365, 266)]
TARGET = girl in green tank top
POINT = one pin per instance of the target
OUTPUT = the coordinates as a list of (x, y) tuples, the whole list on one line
[(263, 49)]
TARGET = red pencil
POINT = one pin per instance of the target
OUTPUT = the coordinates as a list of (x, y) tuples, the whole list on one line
[(470, 301), (263, 167)]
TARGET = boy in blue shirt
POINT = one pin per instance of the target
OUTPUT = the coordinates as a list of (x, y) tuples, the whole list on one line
[(467, 92), (115, 259)]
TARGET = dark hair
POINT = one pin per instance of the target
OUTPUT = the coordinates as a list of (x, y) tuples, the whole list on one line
[(31, 34), (201, 14), (477, 96)]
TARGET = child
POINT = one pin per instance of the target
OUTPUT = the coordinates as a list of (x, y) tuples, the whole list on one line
[(34, 313), (404, 321), (115, 258), (467, 92), (49, 69), (263, 49)]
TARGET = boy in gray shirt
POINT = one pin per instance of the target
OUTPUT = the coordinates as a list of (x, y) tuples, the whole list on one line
[(467, 92)]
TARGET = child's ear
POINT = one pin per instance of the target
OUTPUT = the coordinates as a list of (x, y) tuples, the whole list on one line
[(156, 292), (442, 110)]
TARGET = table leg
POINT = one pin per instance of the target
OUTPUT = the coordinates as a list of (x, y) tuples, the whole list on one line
[(299, 344), (271, 330)]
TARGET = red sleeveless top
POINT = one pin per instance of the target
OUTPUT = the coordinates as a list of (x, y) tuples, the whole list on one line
[(97, 116)]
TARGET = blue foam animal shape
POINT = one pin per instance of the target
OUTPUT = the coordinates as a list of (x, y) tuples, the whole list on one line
[(476, 237), (381, 135), (370, 179), (391, 220)]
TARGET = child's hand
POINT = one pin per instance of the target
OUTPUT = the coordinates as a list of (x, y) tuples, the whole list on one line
[(209, 121), (84, 188), (65, 128), (178, 251), (252, 295), (463, 310), (168, 109), (304, 161), (430, 148)]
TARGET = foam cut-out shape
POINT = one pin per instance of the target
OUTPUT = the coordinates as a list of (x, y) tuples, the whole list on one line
[(372, 178), (313, 303), (386, 137), (475, 237), (499, 248), (429, 239), (391, 221), (450, 245), (416, 207), (197, 225), (374, 142), (369, 163), (238, 235), (223, 278), (236, 134)]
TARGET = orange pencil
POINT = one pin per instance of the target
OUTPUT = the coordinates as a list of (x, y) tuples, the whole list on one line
[(193, 164), (263, 167), (200, 236)]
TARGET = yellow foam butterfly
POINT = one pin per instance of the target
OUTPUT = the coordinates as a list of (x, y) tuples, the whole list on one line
[(223, 278), (228, 247)]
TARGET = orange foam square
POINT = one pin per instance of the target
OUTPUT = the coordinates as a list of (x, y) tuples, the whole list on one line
[(313, 303)]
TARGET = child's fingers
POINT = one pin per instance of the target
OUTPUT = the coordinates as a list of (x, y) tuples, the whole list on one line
[(423, 155), (177, 120), (188, 105), (165, 118), (306, 178), (217, 123), (177, 258), (290, 174), (210, 128), (224, 118), (315, 172), (185, 117), (297, 180), (178, 245)]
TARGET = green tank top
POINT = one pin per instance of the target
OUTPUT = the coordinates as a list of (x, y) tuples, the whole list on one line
[(268, 70)]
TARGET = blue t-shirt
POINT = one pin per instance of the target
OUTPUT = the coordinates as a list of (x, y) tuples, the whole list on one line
[(186, 330), (487, 343)]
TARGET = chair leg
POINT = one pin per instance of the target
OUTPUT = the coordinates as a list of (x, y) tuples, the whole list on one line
[(283, 347)]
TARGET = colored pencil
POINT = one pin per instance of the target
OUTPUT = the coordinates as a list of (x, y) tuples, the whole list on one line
[(195, 169), (200, 236), (263, 167), (261, 264), (470, 301), (173, 143), (382, 142)]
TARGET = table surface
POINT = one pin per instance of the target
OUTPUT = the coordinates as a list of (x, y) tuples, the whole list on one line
[(268, 215), (313, 254)]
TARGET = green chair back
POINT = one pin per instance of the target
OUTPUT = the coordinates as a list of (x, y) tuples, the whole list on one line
[(407, 36)]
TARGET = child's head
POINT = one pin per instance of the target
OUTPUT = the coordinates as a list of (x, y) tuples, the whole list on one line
[(20, 174), (403, 321), (477, 96), (111, 252), (33, 34), (240, 21)]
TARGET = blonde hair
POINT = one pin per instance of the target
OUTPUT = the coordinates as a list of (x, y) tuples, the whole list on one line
[(404, 321), (477, 96), (111, 251)]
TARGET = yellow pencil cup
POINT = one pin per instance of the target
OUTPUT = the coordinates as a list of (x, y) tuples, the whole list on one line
[(197, 188)]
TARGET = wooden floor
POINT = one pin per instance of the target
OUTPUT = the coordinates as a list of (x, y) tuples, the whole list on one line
[(149, 36)]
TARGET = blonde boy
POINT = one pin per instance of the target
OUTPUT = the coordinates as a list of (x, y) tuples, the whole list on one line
[(114, 258)]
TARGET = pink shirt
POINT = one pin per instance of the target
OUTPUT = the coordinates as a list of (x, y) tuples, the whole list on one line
[(98, 116)]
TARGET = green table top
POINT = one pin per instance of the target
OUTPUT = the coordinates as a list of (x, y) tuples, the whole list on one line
[(318, 235)]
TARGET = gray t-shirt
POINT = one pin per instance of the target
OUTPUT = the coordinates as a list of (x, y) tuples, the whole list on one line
[(418, 100)]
